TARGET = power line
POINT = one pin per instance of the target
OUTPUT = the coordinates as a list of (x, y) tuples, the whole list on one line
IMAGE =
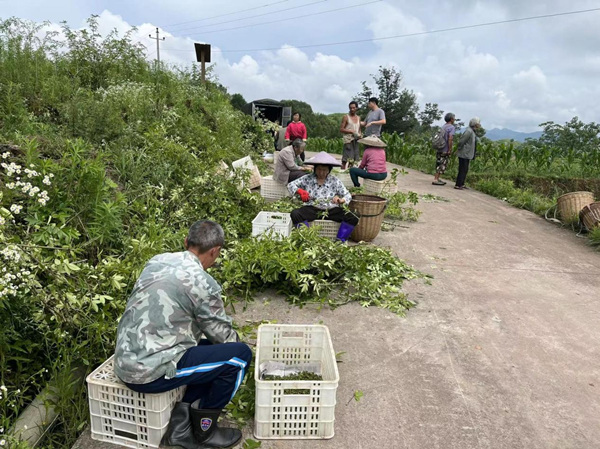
[(256, 15), (443, 30), (280, 20), (227, 14)]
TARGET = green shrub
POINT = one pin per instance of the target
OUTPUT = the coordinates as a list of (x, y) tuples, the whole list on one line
[(595, 237)]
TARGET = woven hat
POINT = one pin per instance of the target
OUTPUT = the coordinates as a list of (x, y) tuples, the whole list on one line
[(323, 159), (373, 141)]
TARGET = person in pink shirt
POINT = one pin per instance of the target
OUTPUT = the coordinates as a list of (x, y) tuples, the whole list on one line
[(372, 165), (296, 130)]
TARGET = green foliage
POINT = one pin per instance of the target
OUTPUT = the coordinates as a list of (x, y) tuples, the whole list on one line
[(251, 444), (399, 206), (522, 198), (285, 205), (302, 375), (238, 101), (358, 394), (114, 161), (574, 136), (595, 237), (317, 144), (308, 268)]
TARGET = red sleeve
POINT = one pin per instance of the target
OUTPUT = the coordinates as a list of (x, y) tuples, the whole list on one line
[(304, 131), (287, 133)]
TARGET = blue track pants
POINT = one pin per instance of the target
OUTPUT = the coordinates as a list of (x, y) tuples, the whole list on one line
[(212, 373)]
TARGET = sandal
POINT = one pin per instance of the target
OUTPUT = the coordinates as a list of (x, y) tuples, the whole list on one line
[(438, 183), (459, 187)]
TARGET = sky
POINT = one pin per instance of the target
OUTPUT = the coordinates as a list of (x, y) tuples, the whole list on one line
[(513, 75)]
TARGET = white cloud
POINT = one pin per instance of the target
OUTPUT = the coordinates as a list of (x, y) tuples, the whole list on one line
[(513, 75)]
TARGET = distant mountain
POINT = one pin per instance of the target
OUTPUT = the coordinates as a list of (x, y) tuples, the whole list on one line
[(503, 133)]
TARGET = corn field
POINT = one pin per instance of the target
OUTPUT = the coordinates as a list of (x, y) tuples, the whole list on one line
[(496, 158)]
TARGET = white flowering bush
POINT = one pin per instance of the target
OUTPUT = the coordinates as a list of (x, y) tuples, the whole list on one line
[(104, 162)]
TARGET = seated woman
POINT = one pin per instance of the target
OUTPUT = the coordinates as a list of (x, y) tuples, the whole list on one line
[(323, 194), (287, 168), (373, 161)]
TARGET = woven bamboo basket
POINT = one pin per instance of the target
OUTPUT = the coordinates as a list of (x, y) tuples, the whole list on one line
[(371, 210), (570, 204), (590, 215), (246, 163), (386, 187), (255, 178)]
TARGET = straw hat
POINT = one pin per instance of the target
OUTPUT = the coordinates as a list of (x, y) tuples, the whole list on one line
[(323, 159), (373, 141)]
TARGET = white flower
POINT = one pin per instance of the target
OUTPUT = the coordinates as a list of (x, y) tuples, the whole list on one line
[(51, 175), (46, 180), (5, 155), (2, 442), (42, 201), (2, 221), (15, 208), (10, 185), (31, 173), (3, 388)]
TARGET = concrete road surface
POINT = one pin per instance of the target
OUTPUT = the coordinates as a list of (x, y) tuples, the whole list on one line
[(502, 350)]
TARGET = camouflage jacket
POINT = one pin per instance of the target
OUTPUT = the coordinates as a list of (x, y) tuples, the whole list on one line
[(173, 303)]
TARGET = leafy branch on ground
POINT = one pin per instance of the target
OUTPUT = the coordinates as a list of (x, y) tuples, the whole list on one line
[(307, 268)]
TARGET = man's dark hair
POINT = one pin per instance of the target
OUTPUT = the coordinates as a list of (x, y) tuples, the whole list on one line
[(353, 103), (204, 235), (374, 100), (299, 115)]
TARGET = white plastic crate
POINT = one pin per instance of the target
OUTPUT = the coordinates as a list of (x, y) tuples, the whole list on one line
[(373, 187), (271, 189), (278, 222), (327, 228), (295, 416), (122, 416)]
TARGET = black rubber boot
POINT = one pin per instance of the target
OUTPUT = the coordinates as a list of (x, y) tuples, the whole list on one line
[(180, 432), (207, 433)]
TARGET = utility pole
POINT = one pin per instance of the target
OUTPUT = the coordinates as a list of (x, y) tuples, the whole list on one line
[(158, 39)]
